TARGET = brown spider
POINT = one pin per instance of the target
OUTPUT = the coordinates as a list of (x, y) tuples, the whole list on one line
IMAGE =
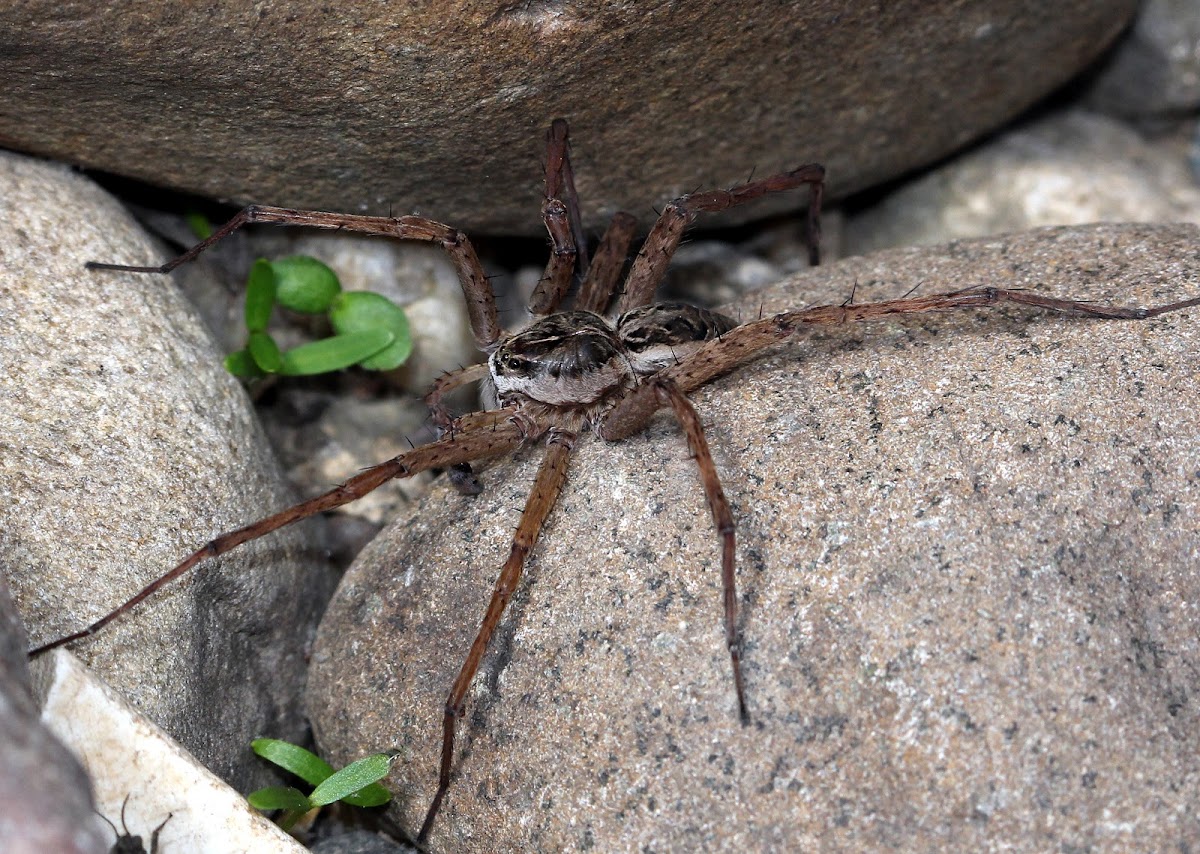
[(573, 370)]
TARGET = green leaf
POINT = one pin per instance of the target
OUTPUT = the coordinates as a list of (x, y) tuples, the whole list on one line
[(265, 352), (357, 311), (279, 798), (291, 757), (305, 284), (260, 295), (199, 225), (352, 779), (242, 364), (371, 795), (334, 353)]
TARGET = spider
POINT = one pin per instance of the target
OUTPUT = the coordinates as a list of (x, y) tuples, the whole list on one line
[(607, 370), (128, 843)]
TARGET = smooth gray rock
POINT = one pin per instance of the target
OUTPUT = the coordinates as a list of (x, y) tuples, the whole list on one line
[(144, 782), (45, 800), (123, 447), (1069, 168), (1155, 70), (441, 108), (966, 556)]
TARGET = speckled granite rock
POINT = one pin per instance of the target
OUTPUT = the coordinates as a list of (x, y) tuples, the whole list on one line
[(967, 549), (440, 108), (124, 446)]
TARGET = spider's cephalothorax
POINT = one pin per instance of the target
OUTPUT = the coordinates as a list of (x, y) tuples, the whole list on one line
[(572, 360), (574, 369), (577, 361)]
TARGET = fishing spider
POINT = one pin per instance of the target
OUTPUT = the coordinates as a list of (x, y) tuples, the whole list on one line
[(576, 370)]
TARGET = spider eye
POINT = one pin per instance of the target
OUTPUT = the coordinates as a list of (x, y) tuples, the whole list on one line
[(512, 363)]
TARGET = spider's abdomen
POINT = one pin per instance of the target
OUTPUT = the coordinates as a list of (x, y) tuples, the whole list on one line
[(661, 334), (572, 358)]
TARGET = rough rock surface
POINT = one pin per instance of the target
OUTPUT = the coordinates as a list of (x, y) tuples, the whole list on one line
[(967, 549), (123, 447), (440, 108)]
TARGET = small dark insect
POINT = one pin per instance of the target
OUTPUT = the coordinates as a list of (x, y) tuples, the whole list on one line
[(607, 369), (127, 843)]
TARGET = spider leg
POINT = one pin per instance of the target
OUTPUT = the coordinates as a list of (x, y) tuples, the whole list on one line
[(461, 475), (560, 183), (481, 303), (560, 212), (651, 262), (552, 287), (604, 275), (689, 420), (154, 834), (481, 434), (445, 384), (748, 341), (551, 475)]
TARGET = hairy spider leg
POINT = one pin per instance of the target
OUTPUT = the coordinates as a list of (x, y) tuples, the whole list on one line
[(446, 383), (481, 303), (651, 262), (479, 435), (685, 413), (560, 213), (604, 275), (551, 475), (750, 340)]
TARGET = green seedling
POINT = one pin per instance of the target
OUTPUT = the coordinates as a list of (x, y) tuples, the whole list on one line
[(199, 225), (356, 784), (357, 312), (371, 331)]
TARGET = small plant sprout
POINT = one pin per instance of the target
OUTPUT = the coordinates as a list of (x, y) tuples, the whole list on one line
[(369, 329), (356, 784), (199, 225)]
